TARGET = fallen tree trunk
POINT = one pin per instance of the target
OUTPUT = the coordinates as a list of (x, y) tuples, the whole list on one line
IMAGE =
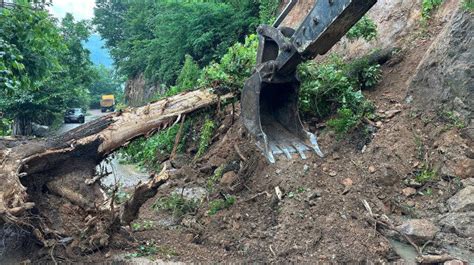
[(35, 173)]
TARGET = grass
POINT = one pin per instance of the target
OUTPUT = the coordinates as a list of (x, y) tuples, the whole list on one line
[(212, 180), (145, 152), (149, 248), (453, 120), (468, 5), (176, 204), (205, 137), (145, 225), (426, 175), (427, 8), (217, 205)]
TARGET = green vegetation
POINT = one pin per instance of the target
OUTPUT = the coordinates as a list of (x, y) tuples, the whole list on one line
[(176, 204), (453, 120), (425, 175), (335, 86), (106, 82), (153, 37), (205, 137), (234, 67), (364, 28), (468, 5), (150, 249), (5, 126), (211, 182), (428, 6), (345, 121), (147, 152), (220, 204), (145, 225), (44, 67)]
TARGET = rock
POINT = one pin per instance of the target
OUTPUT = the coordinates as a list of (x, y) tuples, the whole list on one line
[(461, 224), (453, 262), (464, 168), (468, 182), (371, 169), (181, 160), (305, 168), (378, 124), (347, 182), (462, 201), (228, 178), (336, 156), (39, 130), (391, 113), (314, 194), (278, 171), (409, 191), (167, 164), (420, 230), (332, 173)]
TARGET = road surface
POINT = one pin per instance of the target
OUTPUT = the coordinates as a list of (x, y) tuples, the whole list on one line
[(124, 174), (92, 115)]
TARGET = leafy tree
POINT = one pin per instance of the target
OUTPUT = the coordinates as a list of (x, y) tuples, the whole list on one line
[(106, 83), (44, 67), (189, 74), (154, 37)]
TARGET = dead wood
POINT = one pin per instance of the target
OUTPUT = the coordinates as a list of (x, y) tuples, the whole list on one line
[(61, 166), (141, 194)]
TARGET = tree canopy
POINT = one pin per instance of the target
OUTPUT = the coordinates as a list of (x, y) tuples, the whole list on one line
[(153, 37), (44, 67)]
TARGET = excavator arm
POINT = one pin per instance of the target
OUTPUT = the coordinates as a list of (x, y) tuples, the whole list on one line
[(270, 96)]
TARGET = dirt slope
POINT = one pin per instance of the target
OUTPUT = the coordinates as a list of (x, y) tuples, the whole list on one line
[(321, 216)]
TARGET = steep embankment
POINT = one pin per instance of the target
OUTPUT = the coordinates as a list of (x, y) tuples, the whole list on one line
[(406, 167), (138, 91)]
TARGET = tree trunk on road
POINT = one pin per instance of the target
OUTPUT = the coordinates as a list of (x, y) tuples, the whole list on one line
[(43, 182)]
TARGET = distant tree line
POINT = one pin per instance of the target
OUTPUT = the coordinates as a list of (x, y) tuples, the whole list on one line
[(154, 37)]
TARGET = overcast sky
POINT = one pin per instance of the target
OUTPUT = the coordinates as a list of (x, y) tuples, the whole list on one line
[(80, 9)]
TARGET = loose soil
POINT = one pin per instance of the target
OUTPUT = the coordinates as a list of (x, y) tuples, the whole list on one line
[(321, 216)]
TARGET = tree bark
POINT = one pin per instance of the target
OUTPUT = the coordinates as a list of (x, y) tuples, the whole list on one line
[(35, 173)]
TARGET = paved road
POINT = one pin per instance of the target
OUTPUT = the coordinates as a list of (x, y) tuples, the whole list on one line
[(92, 115), (127, 175)]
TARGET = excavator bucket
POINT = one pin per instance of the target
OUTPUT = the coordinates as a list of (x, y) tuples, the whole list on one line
[(269, 99), (270, 113)]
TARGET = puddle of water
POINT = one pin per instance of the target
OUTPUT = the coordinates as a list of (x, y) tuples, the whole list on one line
[(409, 254), (405, 251), (462, 254), (128, 175)]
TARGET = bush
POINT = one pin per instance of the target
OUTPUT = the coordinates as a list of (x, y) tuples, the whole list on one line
[(234, 67), (145, 152), (428, 6), (206, 136), (189, 74), (335, 86), (176, 204), (468, 5), (219, 204), (364, 28), (5, 126)]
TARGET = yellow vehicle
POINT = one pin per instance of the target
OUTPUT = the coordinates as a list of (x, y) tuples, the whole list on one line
[(107, 103)]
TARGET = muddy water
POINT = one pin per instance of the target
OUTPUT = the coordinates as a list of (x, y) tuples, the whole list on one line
[(126, 175)]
